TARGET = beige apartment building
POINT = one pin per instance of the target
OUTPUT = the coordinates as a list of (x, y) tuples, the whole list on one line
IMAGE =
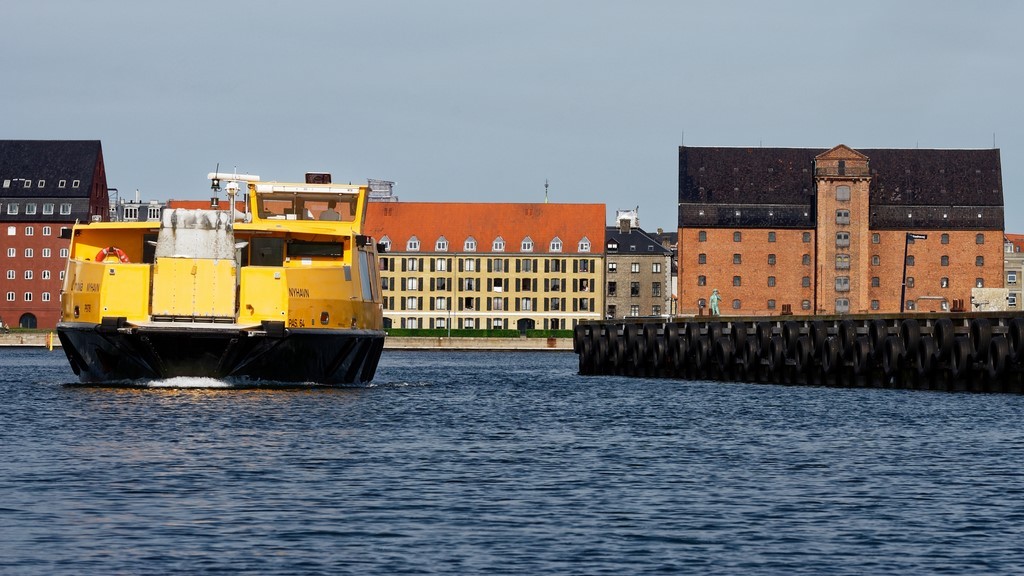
[(489, 266), (639, 271)]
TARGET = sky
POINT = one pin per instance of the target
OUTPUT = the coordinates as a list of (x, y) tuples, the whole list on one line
[(477, 101)]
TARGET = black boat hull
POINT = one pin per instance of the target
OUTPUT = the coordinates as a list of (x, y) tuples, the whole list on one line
[(116, 352)]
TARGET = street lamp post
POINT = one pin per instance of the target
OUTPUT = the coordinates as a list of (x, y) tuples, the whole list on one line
[(906, 247)]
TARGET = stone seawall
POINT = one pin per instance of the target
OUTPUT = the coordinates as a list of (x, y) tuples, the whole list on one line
[(28, 339)]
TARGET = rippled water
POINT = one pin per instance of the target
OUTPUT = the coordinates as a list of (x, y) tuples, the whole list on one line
[(503, 463)]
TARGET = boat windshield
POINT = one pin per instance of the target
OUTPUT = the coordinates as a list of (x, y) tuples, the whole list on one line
[(307, 206)]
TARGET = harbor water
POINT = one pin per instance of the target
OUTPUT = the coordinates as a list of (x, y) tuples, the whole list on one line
[(502, 463)]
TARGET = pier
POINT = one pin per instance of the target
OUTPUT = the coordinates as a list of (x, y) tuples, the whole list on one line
[(976, 352)]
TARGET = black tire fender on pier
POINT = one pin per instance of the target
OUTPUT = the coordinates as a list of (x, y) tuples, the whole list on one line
[(878, 331), (802, 353), (927, 351), (960, 357), (829, 354), (944, 333), (818, 332), (763, 332), (1015, 337), (981, 335), (776, 354), (847, 333), (860, 355), (790, 334), (893, 354), (724, 351), (910, 332), (998, 353)]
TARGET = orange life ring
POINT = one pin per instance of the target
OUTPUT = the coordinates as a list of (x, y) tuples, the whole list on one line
[(121, 256)]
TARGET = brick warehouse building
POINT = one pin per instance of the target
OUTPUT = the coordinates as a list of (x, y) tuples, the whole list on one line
[(825, 231), (45, 185), (489, 266)]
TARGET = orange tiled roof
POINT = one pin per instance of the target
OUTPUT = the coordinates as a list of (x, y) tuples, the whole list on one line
[(484, 222), (1017, 240)]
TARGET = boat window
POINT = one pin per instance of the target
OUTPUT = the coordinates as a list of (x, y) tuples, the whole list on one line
[(304, 248), (331, 207)]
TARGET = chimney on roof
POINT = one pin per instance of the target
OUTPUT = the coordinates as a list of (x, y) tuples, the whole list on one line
[(624, 225)]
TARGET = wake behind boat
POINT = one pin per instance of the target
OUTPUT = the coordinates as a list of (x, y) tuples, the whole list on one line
[(287, 290)]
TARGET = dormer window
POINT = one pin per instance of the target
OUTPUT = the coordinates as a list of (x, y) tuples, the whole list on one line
[(498, 245), (412, 245), (386, 242), (556, 244), (584, 245), (441, 245), (469, 245), (527, 245), (613, 246)]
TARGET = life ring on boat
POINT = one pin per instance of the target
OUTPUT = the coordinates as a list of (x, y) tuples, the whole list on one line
[(112, 250)]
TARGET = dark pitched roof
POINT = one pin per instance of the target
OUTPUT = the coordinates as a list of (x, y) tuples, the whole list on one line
[(760, 187), (49, 161), (636, 241)]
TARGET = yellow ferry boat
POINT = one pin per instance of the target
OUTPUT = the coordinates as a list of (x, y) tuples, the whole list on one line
[(286, 290)]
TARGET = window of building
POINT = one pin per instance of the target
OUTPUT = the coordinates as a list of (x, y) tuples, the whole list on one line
[(736, 304), (702, 236), (634, 310), (441, 265), (842, 305), (978, 239), (12, 208), (806, 260), (27, 183), (737, 259), (584, 245), (702, 258), (771, 259), (412, 303), (30, 231), (612, 288), (527, 245), (806, 305), (806, 237), (1011, 277), (843, 239), (656, 267), (842, 261), (412, 245), (441, 245), (655, 310), (45, 296), (65, 208), (29, 252), (28, 296), (30, 208), (10, 296), (12, 252), (771, 281), (556, 245), (944, 239), (979, 261), (944, 260), (47, 209), (771, 304), (910, 259), (28, 274), (910, 281), (876, 281), (131, 212), (10, 274), (612, 267), (47, 231), (634, 289), (469, 245), (842, 193), (61, 275), (12, 230), (910, 305), (737, 281), (702, 280), (737, 237), (842, 216), (63, 254), (411, 264), (498, 245), (842, 284), (1011, 300), (634, 267), (76, 183), (411, 283), (979, 282), (656, 289), (875, 304), (805, 281), (876, 260), (944, 282), (876, 238), (771, 236), (386, 242), (153, 213)]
